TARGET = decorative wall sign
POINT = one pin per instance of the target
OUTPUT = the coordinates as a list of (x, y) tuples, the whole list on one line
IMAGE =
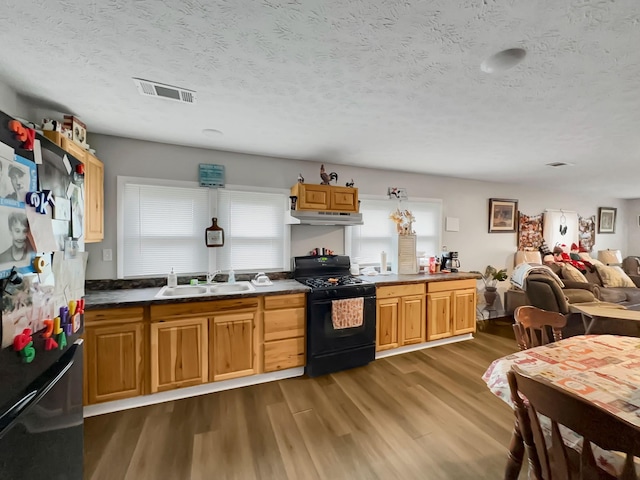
[(40, 200), (23, 134), (211, 175), (607, 219)]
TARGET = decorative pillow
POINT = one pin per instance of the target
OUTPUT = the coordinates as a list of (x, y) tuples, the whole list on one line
[(613, 276), (569, 272)]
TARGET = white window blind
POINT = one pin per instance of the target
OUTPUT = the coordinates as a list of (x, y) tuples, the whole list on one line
[(256, 237), (375, 236), (163, 228)]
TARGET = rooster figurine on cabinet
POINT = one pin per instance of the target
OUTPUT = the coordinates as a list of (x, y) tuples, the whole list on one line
[(327, 177)]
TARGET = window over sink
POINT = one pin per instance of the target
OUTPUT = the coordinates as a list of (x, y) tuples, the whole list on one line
[(161, 225)]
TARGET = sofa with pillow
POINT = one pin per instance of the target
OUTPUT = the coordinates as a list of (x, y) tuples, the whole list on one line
[(611, 283)]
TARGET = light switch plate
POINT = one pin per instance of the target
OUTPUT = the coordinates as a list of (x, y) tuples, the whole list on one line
[(107, 255)]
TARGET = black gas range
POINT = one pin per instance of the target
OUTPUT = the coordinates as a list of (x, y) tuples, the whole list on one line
[(332, 344)]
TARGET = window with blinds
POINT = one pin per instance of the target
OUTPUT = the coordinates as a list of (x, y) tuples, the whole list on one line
[(162, 228), (256, 237), (366, 242)]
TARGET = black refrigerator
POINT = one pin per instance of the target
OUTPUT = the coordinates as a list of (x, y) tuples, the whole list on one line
[(41, 417)]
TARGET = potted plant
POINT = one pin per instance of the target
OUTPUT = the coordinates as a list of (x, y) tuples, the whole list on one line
[(491, 277)]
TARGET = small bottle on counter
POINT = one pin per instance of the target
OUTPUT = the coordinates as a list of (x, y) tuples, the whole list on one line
[(172, 279)]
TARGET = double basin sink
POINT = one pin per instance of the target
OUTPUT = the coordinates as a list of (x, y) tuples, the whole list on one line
[(182, 291)]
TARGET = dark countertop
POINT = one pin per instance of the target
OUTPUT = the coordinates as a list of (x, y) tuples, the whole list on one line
[(135, 297), (393, 279)]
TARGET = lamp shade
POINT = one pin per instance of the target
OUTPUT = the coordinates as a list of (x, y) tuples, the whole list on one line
[(527, 256), (610, 257)]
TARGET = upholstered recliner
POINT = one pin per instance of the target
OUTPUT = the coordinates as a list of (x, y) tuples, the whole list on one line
[(544, 292), (631, 266)]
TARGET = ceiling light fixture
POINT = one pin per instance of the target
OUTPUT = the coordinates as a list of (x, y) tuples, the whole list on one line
[(504, 60), (212, 132)]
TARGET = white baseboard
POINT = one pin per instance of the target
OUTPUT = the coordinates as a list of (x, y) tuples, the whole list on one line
[(421, 346), (179, 393)]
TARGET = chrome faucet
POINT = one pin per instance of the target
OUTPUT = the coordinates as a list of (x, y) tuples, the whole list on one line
[(211, 276)]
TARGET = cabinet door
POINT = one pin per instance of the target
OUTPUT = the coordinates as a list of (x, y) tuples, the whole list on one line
[(387, 323), (179, 353), (233, 348), (464, 311), (439, 315), (114, 365), (93, 199), (313, 197), (344, 199), (413, 319)]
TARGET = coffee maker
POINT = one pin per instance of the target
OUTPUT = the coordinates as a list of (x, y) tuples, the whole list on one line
[(451, 261)]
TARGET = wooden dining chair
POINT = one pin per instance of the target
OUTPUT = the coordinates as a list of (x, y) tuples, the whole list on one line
[(533, 325), (551, 459)]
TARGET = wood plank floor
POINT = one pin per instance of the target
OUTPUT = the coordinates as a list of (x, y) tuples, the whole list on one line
[(422, 415)]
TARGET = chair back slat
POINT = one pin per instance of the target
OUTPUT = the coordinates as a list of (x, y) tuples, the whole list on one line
[(533, 325), (596, 425)]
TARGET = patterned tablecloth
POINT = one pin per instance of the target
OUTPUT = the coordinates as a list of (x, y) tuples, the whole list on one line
[(604, 369)]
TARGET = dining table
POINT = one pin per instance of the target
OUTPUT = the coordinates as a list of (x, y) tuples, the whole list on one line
[(601, 369)]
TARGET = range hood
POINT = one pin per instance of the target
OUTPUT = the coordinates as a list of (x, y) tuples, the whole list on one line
[(305, 217)]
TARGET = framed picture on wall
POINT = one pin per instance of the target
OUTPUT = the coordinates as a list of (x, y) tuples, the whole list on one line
[(503, 215), (607, 220)]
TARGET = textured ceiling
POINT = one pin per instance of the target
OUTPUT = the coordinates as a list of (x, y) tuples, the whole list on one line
[(374, 83)]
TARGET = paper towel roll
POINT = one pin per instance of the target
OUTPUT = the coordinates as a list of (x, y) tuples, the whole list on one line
[(383, 261)]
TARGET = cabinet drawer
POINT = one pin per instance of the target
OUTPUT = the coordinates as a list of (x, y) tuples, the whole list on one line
[(283, 354), (400, 290), (114, 315), (284, 324), (450, 285), (284, 301)]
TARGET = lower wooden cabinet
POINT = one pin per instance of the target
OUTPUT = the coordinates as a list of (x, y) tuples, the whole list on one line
[(401, 316), (233, 346), (114, 354), (451, 308), (283, 332), (179, 353)]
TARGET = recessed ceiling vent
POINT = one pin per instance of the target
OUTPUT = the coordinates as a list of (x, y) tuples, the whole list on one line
[(169, 92), (559, 164)]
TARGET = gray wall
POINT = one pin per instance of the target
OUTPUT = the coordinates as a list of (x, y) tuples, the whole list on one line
[(464, 199), (11, 103)]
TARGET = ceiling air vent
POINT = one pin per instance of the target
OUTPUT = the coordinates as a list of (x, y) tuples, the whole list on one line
[(559, 164), (169, 92)]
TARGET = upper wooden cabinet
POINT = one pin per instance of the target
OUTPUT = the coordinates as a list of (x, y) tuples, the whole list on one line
[(451, 308), (114, 353), (93, 186), (93, 199), (325, 197)]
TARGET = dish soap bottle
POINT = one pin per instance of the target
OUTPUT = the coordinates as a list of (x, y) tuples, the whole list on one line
[(232, 277), (172, 280)]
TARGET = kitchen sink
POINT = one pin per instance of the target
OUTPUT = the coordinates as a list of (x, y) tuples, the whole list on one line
[(237, 287), (182, 291)]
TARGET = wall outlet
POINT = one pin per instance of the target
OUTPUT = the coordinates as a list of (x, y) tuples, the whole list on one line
[(107, 255)]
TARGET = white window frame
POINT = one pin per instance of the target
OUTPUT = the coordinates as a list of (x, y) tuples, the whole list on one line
[(157, 182), (393, 204), (286, 244)]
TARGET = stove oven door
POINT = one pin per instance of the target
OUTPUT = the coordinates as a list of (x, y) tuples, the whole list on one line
[(322, 338)]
